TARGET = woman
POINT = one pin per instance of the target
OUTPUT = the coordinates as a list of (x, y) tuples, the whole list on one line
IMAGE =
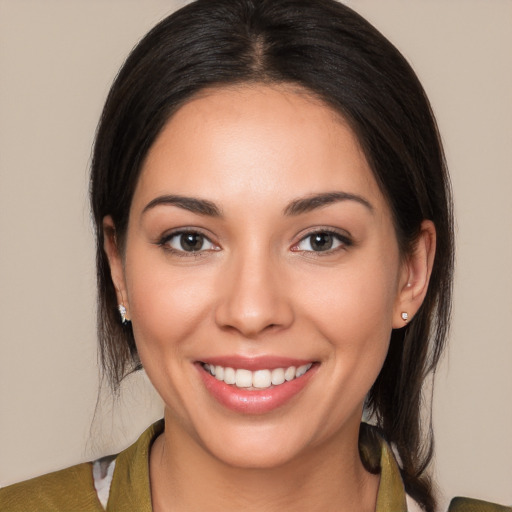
[(275, 248)]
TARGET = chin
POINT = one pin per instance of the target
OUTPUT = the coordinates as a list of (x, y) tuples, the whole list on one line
[(255, 452)]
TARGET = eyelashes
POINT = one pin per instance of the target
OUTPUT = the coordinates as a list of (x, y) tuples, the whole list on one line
[(187, 242), (193, 243), (323, 241)]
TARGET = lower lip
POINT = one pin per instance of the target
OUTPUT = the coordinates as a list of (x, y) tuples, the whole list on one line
[(258, 401)]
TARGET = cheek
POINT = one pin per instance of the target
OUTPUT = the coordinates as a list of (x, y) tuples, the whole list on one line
[(358, 300), (352, 307), (355, 317), (168, 308), (166, 303)]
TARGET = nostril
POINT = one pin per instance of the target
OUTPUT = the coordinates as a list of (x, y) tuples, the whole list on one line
[(252, 308)]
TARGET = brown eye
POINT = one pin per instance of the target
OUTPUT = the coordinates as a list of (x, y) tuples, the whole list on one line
[(191, 241), (188, 241), (323, 241)]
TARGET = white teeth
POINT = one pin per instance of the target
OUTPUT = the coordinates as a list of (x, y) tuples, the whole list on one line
[(259, 379), (277, 376), (289, 373), (301, 370), (243, 378), (219, 373), (262, 379), (229, 376)]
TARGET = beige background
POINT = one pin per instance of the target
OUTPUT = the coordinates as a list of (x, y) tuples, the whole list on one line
[(57, 60)]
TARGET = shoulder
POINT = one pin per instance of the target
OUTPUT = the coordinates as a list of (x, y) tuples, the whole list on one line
[(470, 505), (117, 482), (68, 489)]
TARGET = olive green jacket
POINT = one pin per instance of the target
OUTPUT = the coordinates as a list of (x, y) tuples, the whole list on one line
[(73, 489)]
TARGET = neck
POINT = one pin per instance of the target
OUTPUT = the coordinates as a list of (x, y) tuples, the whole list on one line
[(329, 477)]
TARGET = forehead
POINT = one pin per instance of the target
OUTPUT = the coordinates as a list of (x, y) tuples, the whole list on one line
[(264, 141)]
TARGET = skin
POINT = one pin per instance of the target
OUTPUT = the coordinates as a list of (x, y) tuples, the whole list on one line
[(258, 288)]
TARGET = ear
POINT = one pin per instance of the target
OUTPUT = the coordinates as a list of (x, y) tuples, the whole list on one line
[(415, 276), (111, 247)]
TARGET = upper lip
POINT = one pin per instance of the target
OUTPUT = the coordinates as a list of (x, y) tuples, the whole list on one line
[(266, 362)]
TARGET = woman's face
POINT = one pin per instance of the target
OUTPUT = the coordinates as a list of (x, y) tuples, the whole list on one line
[(259, 241)]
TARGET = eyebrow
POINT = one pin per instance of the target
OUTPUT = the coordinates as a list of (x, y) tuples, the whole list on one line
[(192, 204), (296, 207), (310, 203)]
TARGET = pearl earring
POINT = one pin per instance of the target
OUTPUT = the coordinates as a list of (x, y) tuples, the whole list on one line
[(405, 316)]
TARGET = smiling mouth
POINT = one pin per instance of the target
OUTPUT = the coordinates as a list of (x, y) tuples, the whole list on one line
[(255, 380)]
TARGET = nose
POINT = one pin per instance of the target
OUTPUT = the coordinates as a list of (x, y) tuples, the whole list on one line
[(253, 298)]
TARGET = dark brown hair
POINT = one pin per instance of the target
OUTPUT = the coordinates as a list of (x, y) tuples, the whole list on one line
[(328, 49)]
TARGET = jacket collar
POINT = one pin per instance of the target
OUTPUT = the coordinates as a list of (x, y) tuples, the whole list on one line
[(130, 488)]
